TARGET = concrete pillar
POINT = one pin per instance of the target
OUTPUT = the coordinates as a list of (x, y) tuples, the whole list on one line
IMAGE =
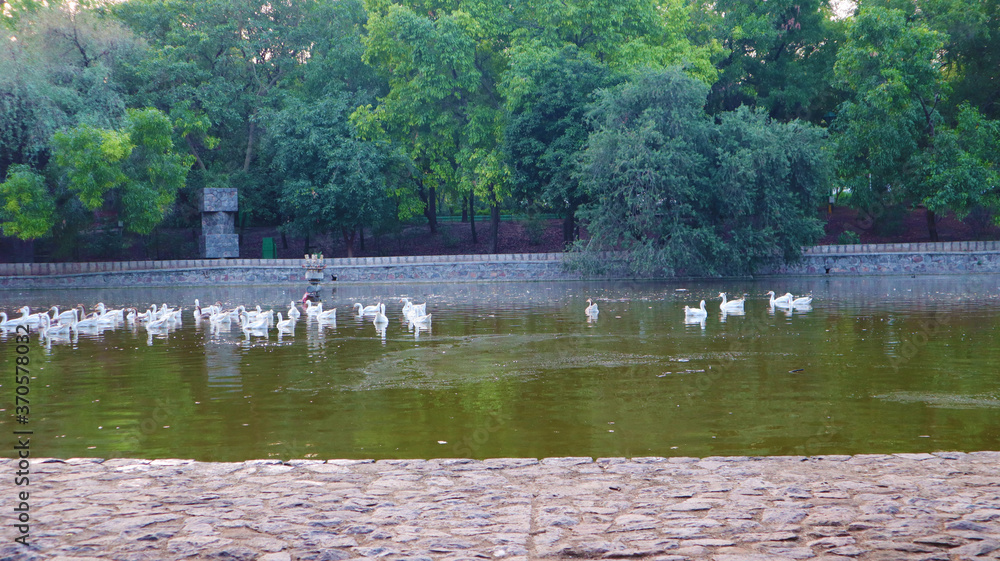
[(218, 223)]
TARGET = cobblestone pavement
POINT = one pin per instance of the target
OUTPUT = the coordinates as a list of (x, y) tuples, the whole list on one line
[(942, 506)]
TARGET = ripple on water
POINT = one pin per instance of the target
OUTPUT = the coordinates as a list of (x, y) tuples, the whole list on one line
[(946, 401)]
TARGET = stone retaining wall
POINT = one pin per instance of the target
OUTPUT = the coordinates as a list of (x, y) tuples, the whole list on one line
[(897, 259), (200, 272), (860, 259), (942, 506)]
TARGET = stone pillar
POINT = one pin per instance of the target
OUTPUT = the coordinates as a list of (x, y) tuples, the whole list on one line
[(218, 224)]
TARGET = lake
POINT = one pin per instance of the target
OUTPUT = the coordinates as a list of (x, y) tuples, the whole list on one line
[(877, 365)]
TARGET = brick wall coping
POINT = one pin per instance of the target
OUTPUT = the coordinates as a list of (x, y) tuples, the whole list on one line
[(920, 247)]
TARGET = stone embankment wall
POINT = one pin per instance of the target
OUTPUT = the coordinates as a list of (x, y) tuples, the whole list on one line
[(861, 259), (200, 272), (941, 258)]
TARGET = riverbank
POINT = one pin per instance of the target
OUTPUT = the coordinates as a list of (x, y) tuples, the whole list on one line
[(902, 506)]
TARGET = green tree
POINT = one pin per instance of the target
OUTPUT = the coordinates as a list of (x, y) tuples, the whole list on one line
[(894, 146), (547, 98), (59, 70), (683, 194), (28, 210), (779, 56), (442, 104), (222, 61), (134, 169), (970, 56), (333, 180), (624, 34)]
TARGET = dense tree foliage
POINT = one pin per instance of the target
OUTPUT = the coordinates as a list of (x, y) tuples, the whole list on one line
[(341, 116), (895, 147), (684, 193)]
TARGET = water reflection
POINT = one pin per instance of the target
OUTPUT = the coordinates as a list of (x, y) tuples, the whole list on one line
[(698, 320)]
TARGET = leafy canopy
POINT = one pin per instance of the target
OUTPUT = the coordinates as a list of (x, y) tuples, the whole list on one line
[(682, 193)]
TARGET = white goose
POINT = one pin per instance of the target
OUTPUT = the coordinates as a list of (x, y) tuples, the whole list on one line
[(327, 316), (367, 310), (782, 301), (27, 318), (60, 328), (313, 309), (293, 312), (591, 310), (117, 315), (731, 305), (162, 322), (256, 325), (420, 320), (802, 302), (701, 312), (57, 317), (6, 323), (285, 325), (380, 317)]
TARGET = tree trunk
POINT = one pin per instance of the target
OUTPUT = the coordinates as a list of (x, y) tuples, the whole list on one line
[(361, 231), (194, 150), (430, 212), (349, 235), (465, 208), (472, 216), (284, 241), (246, 160), (494, 222), (569, 225), (307, 245), (932, 225)]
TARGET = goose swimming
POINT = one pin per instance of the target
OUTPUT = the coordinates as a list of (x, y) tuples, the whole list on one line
[(701, 312)]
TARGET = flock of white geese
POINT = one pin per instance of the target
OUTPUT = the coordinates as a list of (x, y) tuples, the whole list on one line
[(257, 322), (786, 302)]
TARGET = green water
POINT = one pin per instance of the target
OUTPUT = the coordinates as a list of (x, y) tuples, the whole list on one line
[(877, 365)]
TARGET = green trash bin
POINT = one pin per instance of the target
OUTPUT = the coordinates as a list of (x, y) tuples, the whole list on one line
[(269, 250)]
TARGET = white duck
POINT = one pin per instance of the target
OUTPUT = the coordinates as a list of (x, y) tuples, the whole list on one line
[(782, 301), (695, 313), (591, 310), (731, 305)]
